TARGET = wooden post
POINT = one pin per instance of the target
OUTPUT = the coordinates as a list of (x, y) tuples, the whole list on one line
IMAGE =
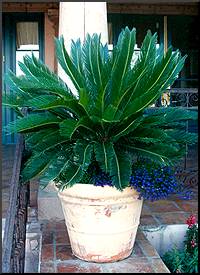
[(165, 35)]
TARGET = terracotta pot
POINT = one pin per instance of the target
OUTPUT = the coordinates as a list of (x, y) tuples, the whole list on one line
[(102, 222)]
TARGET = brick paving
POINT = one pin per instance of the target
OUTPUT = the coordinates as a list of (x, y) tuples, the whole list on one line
[(171, 211)]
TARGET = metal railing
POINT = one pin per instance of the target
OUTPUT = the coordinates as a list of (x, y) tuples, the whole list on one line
[(13, 251), (181, 97), (186, 98)]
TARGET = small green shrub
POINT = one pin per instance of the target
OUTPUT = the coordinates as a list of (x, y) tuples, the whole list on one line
[(186, 260)]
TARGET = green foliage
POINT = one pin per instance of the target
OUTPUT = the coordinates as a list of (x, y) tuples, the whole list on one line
[(185, 260), (108, 116)]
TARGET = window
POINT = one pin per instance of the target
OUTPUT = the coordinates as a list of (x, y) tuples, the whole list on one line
[(26, 41)]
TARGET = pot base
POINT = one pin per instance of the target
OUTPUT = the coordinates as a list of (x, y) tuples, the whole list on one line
[(102, 259)]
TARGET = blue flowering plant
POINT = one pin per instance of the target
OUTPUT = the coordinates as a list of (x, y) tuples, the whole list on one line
[(94, 132), (153, 181), (156, 181)]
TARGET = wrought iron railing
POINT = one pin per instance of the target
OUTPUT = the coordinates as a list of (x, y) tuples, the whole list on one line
[(186, 98), (180, 97), (13, 256)]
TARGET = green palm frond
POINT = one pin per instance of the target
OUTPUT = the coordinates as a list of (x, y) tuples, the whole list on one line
[(67, 64), (165, 155), (120, 168), (67, 127), (182, 136), (163, 75), (128, 127), (76, 55), (39, 77), (169, 115), (125, 46), (103, 151), (37, 165), (150, 132), (46, 102), (108, 119), (32, 122), (76, 167), (50, 141), (34, 137)]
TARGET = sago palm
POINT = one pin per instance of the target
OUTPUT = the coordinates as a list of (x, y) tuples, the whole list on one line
[(107, 118)]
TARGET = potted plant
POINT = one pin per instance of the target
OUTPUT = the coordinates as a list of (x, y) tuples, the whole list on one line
[(91, 142)]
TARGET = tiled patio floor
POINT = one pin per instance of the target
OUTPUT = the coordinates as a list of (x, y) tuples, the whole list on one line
[(170, 211)]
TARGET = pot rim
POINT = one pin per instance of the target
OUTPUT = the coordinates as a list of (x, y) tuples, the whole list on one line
[(83, 190)]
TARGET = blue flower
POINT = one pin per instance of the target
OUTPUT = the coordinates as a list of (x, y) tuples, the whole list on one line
[(156, 181), (152, 181)]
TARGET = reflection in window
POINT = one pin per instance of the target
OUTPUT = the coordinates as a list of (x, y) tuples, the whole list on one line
[(20, 55)]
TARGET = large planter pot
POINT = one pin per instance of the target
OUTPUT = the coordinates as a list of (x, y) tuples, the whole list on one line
[(102, 222)]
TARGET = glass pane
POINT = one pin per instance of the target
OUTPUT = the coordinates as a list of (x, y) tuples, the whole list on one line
[(183, 35), (27, 33), (142, 23), (19, 57), (28, 47)]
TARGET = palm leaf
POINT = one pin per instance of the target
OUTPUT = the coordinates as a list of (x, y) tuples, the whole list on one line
[(125, 46), (96, 67), (128, 127), (168, 115), (163, 75), (50, 141), (182, 136), (103, 152), (120, 168), (57, 167), (67, 64), (74, 170), (76, 55), (160, 153), (32, 123), (37, 164), (67, 127), (33, 138)]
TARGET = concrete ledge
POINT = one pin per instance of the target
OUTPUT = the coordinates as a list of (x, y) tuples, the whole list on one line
[(49, 206)]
